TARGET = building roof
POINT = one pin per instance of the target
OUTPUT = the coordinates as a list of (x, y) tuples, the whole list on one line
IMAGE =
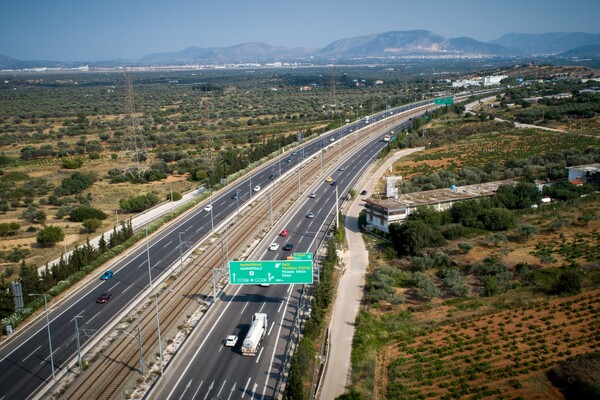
[(431, 197), (586, 167)]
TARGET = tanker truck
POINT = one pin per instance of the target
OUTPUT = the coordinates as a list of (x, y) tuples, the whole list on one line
[(255, 334)]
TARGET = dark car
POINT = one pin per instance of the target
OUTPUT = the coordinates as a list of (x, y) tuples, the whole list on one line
[(288, 247), (334, 183), (272, 176), (104, 297), (234, 196)]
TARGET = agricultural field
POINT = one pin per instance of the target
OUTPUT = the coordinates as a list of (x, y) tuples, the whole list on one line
[(66, 141), (480, 311), (502, 355)]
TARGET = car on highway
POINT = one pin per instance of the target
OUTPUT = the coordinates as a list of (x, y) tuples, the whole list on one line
[(256, 188), (329, 179), (312, 195), (107, 275), (288, 160), (294, 153), (235, 195), (364, 192), (208, 207), (283, 232), (274, 246), (334, 183), (288, 247), (310, 214), (332, 139), (231, 340), (103, 298), (342, 168), (272, 176)]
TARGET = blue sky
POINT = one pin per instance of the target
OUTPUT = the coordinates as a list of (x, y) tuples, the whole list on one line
[(81, 30)]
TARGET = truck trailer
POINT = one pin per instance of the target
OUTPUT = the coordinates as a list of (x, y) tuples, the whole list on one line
[(255, 334)]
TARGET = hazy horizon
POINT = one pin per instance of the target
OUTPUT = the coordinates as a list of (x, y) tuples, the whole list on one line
[(86, 30)]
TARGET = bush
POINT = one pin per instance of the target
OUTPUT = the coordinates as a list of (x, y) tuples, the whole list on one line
[(76, 183), (91, 224), (82, 213), (72, 162), (176, 196), (569, 283), (9, 228), (139, 203), (50, 235)]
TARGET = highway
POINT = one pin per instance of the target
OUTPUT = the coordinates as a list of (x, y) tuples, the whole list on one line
[(25, 361), (205, 367)]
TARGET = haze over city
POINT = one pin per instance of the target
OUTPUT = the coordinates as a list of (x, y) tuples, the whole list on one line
[(93, 30)]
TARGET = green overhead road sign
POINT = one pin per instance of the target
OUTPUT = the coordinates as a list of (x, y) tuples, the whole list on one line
[(303, 256), (270, 272), (444, 100)]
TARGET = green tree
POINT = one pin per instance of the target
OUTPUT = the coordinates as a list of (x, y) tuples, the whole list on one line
[(498, 219), (91, 224), (569, 283), (411, 237), (82, 213), (50, 235)]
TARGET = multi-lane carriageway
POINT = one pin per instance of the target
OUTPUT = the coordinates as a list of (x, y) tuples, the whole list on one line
[(25, 360)]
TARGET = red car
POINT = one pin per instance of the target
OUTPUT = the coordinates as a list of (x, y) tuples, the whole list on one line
[(104, 297), (283, 233)]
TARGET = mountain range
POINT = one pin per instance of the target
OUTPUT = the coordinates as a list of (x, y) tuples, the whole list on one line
[(395, 44)]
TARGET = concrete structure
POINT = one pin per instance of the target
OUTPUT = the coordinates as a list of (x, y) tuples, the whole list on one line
[(584, 174), (493, 80), (382, 212)]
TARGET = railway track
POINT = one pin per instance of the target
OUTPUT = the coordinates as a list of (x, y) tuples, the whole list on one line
[(115, 368)]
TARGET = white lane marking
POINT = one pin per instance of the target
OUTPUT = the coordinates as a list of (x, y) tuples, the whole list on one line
[(141, 265), (198, 230), (280, 305), (219, 392), (126, 289), (263, 306), (246, 305), (277, 341), (90, 320), (254, 390), (197, 390), (246, 387), (232, 391), (39, 347), (186, 388), (259, 354), (168, 243), (188, 228), (209, 389), (113, 286), (289, 288), (46, 359), (271, 328)]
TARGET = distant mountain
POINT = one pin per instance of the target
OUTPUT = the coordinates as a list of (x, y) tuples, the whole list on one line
[(547, 43), (246, 52), (402, 43), (589, 51), (13, 63)]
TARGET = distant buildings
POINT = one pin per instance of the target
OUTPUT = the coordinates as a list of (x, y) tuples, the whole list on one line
[(480, 81), (584, 174)]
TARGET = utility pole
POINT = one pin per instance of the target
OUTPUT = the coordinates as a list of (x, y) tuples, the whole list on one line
[(156, 303), (78, 344)]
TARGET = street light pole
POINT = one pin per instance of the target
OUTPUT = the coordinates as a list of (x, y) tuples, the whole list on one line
[(78, 344), (49, 336), (156, 303), (337, 209), (180, 253), (212, 222), (237, 199)]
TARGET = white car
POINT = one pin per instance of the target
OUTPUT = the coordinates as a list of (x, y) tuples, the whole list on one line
[(208, 207), (332, 139), (256, 188), (312, 195), (274, 246), (310, 214), (231, 340)]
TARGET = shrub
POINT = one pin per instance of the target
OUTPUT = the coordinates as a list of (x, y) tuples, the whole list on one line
[(9, 228), (91, 224), (82, 213), (465, 247), (176, 196), (569, 283), (76, 183), (139, 203), (72, 162), (50, 235)]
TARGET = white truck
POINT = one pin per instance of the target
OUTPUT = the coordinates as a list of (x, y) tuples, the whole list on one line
[(255, 334)]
